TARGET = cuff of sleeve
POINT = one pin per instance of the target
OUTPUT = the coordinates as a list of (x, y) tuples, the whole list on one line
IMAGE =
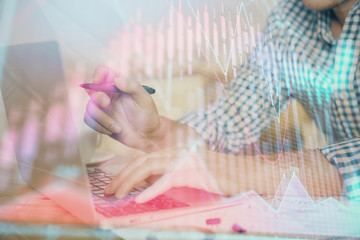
[(197, 121), (345, 156), (206, 126)]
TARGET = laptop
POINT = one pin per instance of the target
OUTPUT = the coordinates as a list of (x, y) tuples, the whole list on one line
[(46, 145)]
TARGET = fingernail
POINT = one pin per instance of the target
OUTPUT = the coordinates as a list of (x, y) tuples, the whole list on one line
[(139, 199), (115, 128)]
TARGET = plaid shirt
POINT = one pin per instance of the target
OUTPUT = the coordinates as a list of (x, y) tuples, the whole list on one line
[(298, 56)]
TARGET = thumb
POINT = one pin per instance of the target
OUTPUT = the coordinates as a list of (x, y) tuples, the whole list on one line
[(130, 86), (159, 187), (134, 88)]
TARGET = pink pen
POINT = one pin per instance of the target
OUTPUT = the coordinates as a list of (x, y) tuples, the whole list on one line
[(237, 228), (109, 87)]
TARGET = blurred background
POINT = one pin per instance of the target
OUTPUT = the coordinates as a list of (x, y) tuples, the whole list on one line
[(173, 46), (183, 49)]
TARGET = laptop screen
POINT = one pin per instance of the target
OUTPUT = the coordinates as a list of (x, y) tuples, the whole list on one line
[(41, 125)]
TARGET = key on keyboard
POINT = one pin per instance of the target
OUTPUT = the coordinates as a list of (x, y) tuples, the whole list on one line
[(112, 206)]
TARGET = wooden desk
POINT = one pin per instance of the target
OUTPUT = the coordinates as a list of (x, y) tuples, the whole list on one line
[(31, 206), (28, 214), (32, 215)]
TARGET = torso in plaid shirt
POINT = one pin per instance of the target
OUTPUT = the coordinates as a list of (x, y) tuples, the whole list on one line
[(299, 56)]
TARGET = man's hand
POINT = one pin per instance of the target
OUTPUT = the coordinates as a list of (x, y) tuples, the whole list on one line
[(225, 173), (176, 167), (130, 117)]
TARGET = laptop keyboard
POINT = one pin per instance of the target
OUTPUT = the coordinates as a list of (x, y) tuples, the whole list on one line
[(111, 206)]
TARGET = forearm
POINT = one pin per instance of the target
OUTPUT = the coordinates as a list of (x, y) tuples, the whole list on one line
[(236, 174)]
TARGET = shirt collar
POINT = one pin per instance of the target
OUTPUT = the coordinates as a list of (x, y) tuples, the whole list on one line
[(324, 27), (355, 7), (324, 23)]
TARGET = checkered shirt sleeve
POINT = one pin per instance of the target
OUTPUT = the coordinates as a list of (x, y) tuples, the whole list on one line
[(238, 117), (324, 75), (345, 156)]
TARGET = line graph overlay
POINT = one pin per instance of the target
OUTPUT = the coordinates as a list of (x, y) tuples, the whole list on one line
[(296, 212), (247, 130), (296, 215), (225, 71), (242, 6)]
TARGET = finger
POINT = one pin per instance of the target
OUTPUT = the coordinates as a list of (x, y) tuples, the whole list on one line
[(132, 166), (152, 179), (103, 99), (104, 74), (96, 113), (149, 168), (158, 188), (95, 125), (137, 92), (201, 179), (120, 178), (100, 98)]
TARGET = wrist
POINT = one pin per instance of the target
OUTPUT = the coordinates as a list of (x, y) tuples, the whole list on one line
[(174, 134), (159, 139)]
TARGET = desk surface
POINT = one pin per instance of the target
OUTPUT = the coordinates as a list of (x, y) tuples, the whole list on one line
[(32, 215), (27, 214)]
